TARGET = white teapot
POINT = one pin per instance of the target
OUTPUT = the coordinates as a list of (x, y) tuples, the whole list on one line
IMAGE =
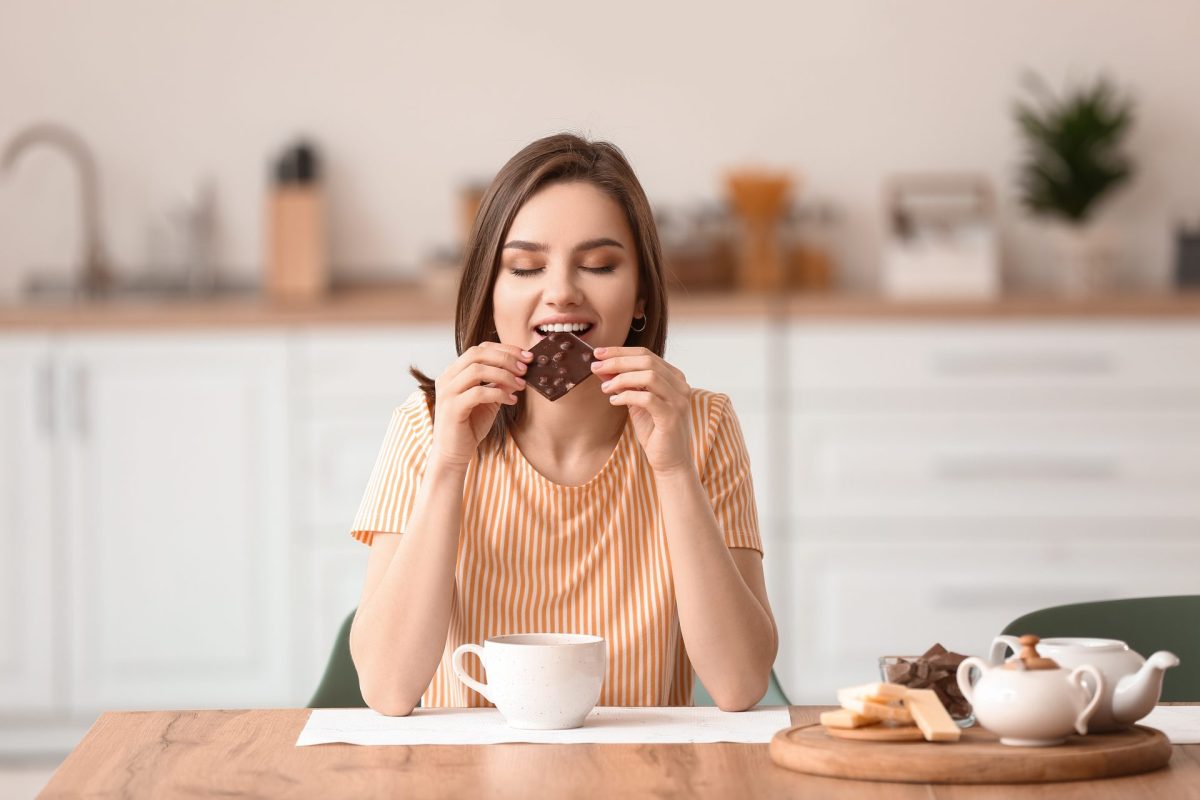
[(1132, 683), (1030, 700)]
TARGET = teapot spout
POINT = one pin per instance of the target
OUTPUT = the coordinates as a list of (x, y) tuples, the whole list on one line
[(1136, 695)]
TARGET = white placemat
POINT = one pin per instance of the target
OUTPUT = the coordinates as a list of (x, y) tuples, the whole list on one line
[(605, 725), (1181, 724)]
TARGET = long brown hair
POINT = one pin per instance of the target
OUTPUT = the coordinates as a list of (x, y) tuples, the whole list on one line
[(560, 158)]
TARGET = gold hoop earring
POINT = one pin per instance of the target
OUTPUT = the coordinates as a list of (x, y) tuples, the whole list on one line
[(639, 330)]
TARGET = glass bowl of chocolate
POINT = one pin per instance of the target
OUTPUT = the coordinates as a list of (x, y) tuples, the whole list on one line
[(936, 669)]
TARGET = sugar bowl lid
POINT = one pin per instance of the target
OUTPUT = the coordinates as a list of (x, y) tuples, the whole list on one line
[(1029, 658)]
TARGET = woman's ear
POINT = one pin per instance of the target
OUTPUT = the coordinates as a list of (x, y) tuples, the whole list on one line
[(639, 310)]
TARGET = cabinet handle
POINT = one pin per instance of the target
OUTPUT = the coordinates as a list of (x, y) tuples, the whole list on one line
[(1023, 363), (1027, 468), (46, 399), (81, 402)]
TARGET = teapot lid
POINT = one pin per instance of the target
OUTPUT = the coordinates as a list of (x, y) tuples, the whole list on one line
[(1029, 658)]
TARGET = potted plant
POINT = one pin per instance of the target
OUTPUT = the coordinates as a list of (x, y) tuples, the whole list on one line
[(1072, 160)]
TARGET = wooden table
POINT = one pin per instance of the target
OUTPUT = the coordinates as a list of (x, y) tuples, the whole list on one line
[(253, 753)]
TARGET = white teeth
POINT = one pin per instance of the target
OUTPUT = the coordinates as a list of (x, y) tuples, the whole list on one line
[(559, 327)]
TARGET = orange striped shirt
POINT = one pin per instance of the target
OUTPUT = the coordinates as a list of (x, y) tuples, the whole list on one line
[(537, 556)]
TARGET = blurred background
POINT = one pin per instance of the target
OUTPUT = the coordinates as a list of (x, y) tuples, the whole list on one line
[(941, 254)]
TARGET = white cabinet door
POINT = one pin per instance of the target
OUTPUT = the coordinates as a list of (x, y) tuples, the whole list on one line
[(178, 544), (29, 605), (348, 383)]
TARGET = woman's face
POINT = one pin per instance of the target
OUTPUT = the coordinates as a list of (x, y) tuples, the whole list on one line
[(569, 259)]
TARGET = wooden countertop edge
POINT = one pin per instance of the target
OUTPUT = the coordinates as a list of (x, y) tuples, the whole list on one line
[(393, 305)]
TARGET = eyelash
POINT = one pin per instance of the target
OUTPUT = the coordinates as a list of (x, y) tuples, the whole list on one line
[(524, 273)]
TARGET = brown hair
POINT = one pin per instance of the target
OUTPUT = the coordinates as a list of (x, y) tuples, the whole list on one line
[(560, 158)]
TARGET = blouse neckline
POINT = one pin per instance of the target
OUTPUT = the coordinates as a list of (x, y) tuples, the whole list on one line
[(514, 451)]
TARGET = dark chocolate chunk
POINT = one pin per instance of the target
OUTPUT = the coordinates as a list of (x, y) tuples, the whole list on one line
[(561, 362)]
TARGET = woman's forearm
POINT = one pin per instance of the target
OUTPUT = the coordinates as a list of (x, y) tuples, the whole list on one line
[(730, 637), (399, 632)]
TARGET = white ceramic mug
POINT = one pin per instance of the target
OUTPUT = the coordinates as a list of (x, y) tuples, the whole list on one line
[(539, 681)]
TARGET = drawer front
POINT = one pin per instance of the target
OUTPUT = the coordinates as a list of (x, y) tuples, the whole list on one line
[(1013, 357), (996, 464), (722, 357), (852, 603)]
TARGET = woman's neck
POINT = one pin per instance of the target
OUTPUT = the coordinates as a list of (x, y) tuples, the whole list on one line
[(578, 428)]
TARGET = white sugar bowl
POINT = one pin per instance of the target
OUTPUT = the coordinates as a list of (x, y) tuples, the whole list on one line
[(1031, 701)]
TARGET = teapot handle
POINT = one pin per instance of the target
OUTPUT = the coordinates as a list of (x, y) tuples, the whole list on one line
[(999, 645), (1076, 678), (964, 676)]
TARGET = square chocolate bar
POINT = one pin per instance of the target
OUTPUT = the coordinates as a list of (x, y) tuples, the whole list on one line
[(561, 362)]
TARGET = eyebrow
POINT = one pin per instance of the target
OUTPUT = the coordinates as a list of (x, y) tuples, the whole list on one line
[(590, 244)]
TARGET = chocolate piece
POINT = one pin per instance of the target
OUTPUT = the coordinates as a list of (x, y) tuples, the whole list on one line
[(935, 669), (561, 362)]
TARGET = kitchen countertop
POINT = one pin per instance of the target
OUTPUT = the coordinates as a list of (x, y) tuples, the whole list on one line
[(408, 304)]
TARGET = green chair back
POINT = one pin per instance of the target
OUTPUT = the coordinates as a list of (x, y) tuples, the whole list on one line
[(1146, 624), (339, 684)]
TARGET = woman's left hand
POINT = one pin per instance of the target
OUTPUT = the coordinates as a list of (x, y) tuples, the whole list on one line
[(658, 398)]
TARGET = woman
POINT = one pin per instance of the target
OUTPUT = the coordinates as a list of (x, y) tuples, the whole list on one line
[(624, 509)]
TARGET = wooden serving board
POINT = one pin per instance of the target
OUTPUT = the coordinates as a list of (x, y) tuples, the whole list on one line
[(978, 757)]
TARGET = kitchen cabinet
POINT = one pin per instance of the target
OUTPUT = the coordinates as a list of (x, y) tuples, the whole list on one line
[(174, 507), (177, 534), (345, 386), (949, 477), (29, 597), (147, 520)]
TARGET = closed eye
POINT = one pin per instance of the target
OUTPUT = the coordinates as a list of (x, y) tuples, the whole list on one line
[(524, 273)]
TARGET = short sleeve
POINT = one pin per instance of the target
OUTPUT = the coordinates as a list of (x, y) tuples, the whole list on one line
[(726, 476), (399, 468)]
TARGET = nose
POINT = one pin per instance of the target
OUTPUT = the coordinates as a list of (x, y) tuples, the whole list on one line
[(561, 288)]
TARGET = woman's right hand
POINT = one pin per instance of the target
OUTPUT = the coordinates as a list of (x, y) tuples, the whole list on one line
[(469, 395)]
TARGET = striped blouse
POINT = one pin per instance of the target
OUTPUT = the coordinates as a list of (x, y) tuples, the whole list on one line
[(537, 556)]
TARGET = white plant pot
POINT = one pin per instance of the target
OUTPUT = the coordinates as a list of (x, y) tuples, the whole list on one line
[(1084, 258)]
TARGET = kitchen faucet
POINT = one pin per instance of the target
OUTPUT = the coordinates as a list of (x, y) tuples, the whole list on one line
[(95, 274)]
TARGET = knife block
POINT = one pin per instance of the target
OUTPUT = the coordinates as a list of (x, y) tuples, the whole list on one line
[(297, 263)]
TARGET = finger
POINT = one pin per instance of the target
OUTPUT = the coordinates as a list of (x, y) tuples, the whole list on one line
[(477, 374), (482, 395), (615, 352), (636, 399), (642, 380), (495, 354), (611, 366)]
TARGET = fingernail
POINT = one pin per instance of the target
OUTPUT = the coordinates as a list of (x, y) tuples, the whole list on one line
[(520, 381), (595, 366), (521, 366), (600, 351), (526, 354), (604, 386)]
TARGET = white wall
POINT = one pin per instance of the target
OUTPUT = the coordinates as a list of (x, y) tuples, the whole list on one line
[(409, 99)]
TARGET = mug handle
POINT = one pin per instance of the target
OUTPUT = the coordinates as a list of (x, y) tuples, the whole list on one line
[(999, 645), (1076, 677), (964, 676), (457, 662)]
